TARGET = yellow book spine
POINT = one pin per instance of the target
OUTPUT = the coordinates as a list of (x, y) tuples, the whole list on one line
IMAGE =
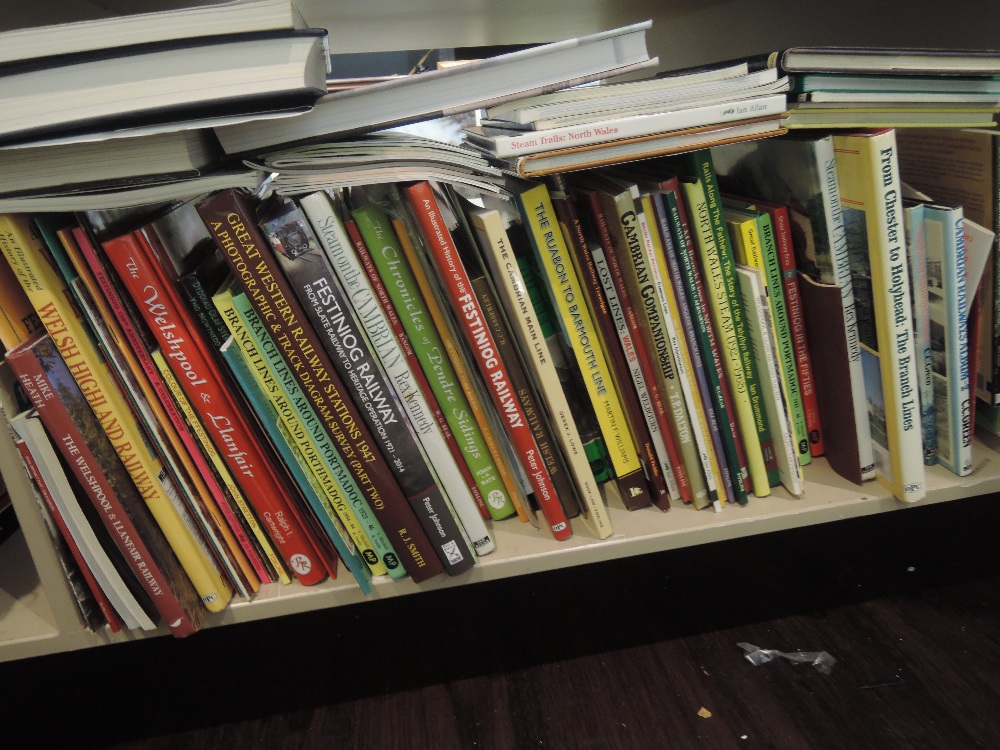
[(327, 489), (212, 454), (571, 302), (25, 251), (722, 320), (685, 367), (514, 490), (18, 319)]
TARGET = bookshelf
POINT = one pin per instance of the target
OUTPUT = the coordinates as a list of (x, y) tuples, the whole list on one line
[(37, 612)]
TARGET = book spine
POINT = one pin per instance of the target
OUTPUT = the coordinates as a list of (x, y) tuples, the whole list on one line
[(581, 135), (230, 221), (461, 359), (783, 334), (694, 323), (638, 276), (329, 310), (335, 496), (90, 569), (205, 389), (49, 296), (336, 483), (916, 254), (617, 295), (135, 348), (18, 319), (793, 302), (90, 455), (279, 422), (501, 259), (579, 328), (946, 245), (841, 276), (761, 330), (634, 395), (868, 178), (129, 362), (723, 401), (550, 453), (444, 254), (275, 570), (358, 291)]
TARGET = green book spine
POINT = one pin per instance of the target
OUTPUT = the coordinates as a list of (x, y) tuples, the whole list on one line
[(703, 168), (377, 231)]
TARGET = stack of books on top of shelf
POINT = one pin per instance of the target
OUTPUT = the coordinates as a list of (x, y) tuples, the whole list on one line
[(157, 106), (834, 87), (590, 126), (131, 99)]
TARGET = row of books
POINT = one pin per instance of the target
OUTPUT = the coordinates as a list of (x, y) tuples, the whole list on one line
[(377, 375)]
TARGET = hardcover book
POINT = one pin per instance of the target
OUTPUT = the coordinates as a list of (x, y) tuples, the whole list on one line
[(868, 178)]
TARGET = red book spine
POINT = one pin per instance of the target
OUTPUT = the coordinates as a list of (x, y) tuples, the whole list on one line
[(115, 623), (202, 382), (77, 434), (231, 222), (411, 357), (117, 305), (458, 286), (786, 257)]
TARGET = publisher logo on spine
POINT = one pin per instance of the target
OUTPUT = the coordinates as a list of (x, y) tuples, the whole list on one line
[(496, 499), (300, 564)]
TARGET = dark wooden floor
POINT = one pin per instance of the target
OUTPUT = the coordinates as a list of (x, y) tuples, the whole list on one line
[(639, 653)]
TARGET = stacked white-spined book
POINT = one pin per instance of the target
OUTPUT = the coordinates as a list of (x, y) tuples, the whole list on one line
[(129, 100), (590, 126)]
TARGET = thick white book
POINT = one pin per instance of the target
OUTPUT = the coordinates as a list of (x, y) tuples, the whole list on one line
[(66, 31), (172, 80), (505, 143)]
